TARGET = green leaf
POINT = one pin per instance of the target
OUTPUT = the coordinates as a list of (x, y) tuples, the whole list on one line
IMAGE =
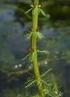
[(40, 35), (30, 84), (35, 34), (29, 35), (28, 11), (42, 12), (44, 51), (27, 56), (49, 70)]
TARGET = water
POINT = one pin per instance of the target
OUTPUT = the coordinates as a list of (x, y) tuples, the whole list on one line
[(14, 46)]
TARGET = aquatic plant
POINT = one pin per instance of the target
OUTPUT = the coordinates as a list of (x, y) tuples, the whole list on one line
[(34, 36)]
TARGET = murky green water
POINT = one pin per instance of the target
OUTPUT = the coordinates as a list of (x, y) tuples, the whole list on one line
[(14, 46)]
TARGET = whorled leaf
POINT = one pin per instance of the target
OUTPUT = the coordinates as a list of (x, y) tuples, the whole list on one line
[(29, 35), (38, 35), (42, 12), (44, 51), (30, 84), (28, 11)]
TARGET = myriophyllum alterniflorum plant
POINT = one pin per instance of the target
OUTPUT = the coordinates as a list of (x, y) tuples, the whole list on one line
[(34, 36)]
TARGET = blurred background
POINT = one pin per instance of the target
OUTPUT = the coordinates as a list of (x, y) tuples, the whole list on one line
[(14, 45)]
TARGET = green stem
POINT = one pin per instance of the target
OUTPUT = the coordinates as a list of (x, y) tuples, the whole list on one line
[(34, 46), (35, 2)]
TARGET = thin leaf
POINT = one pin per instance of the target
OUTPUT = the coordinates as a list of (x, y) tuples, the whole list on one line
[(44, 82), (28, 11), (29, 35), (26, 57), (40, 35), (30, 84), (46, 72), (45, 52), (42, 12)]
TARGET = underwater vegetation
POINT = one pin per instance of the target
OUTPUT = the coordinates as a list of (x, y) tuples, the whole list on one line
[(30, 67)]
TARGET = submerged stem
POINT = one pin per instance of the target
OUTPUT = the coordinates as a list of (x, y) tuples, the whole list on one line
[(35, 13)]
